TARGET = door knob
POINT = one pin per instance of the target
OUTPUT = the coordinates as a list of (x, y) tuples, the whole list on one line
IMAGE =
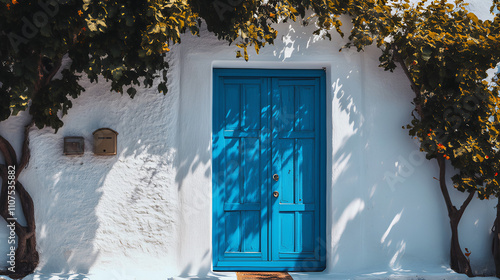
[(276, 177), (276, 194)]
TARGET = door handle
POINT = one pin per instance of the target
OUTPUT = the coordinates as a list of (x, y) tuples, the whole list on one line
[(276, 194), (276, 177)]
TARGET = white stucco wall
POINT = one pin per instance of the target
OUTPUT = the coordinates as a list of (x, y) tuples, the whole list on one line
[(146, 212)]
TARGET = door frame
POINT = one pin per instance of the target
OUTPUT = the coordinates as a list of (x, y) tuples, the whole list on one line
[(218, 73)]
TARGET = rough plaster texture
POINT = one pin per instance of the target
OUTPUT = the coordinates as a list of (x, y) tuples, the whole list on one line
[(146, 212), (106, 213)]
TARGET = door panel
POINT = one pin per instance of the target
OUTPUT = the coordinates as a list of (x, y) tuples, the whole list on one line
[(268, 122), (239, 194), (295, 141)]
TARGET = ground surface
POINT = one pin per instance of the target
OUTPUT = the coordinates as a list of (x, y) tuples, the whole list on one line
[(294, 275)]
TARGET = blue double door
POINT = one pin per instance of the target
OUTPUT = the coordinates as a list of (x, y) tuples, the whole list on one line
[(269, 170)]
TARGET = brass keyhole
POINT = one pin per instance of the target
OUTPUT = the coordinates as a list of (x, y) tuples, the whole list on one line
[(276, 177), (276, 194)]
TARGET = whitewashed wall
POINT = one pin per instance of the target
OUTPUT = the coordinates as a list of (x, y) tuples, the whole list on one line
[(146, 213)]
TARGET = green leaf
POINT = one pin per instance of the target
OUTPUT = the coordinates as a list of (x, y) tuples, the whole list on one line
[(131, 92), (162, 87), (426, 53)]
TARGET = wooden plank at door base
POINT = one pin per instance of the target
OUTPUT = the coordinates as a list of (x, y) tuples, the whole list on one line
[(250, 275)]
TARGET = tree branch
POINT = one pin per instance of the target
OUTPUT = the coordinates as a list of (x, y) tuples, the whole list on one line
[(38, 83), (44, 79), (3, 169), (444, 188), (52, 73), (27, 257), (26, 153), (8, 152), (414, 87), (466, 203), (27, 205)]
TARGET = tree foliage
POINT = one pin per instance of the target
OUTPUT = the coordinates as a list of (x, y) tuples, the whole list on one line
[(123, 42), (446, 53)]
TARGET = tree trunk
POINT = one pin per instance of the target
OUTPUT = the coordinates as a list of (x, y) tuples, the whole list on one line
[(496, 240), (26, 255), (458, 262)]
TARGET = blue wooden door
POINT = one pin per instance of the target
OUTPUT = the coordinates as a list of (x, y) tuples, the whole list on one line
[(268, 170)]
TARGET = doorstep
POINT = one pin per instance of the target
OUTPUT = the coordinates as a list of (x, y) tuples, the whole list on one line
[(252, 275)]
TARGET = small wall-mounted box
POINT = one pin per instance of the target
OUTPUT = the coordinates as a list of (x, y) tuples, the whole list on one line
[(105, 141), (73, 146)]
